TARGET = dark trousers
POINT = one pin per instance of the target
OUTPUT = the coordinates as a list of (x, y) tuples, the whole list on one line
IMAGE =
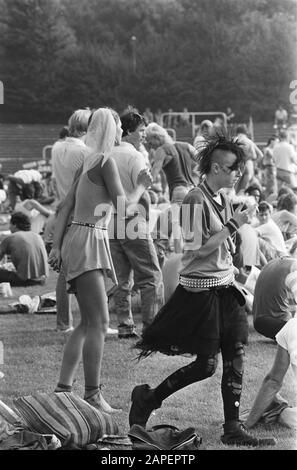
[(14, 280), (268, 326)]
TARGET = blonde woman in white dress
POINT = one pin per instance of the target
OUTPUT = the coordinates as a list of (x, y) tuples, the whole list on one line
[(84, 252)]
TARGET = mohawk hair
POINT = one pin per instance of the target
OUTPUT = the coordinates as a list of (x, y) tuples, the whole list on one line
[(219, 141)]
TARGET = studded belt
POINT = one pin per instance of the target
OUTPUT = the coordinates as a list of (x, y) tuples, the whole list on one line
[(86, 224), (206, 282)]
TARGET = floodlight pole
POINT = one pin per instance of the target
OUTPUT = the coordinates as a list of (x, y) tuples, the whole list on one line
[(133, 41)]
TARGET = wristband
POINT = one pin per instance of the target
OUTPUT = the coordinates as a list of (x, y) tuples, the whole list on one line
[(232, 226)]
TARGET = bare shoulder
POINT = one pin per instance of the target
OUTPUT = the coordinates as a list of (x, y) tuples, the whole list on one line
[(109, 166), (109, 170)]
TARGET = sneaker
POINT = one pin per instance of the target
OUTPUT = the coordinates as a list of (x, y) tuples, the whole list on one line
[(143, 404), (111, 331), (24, 303), (235, 434), (97, 401), (68, 331), (65, 331), (28, 305), (34, 304)]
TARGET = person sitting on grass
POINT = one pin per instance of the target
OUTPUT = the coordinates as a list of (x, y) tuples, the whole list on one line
[(271, 239), (285, 215), (274, 297), (27, 252), (286, 355), (28, 204)]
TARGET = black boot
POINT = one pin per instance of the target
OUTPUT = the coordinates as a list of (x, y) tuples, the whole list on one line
[(235, 434), (143, 403)]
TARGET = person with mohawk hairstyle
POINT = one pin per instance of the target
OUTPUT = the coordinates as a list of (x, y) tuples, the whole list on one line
[(205, 314)]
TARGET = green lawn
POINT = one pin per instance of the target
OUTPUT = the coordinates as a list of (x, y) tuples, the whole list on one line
[(32, 357)]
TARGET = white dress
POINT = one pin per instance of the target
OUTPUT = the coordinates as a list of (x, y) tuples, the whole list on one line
[(87, 248)]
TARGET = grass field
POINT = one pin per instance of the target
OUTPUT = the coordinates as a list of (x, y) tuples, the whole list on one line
[(33, 352)]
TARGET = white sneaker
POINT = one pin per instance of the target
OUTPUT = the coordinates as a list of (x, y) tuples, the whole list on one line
[(25, 300), (34, 304), (68, 331), (111, 331), (1, 375)]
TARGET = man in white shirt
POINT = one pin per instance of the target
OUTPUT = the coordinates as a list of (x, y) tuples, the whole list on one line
[(285, 161), (67, 159), (133, 254), (280, 117), (68, 155), (269, 232)]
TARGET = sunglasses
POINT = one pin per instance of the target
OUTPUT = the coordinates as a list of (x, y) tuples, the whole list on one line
[(235, 167)]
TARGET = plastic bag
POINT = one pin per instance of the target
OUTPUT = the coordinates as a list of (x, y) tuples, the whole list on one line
[(164, 437)]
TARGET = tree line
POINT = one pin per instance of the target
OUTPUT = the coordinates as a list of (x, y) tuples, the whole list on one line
[(58, 55)]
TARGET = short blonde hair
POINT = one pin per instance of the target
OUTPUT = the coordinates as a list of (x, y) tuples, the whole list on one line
[(78, 122), (154, 130)]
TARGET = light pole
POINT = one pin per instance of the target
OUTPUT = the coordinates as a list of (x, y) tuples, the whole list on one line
[(133, 42)]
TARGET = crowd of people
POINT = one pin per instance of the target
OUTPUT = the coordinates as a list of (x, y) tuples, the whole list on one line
[(125, 198)]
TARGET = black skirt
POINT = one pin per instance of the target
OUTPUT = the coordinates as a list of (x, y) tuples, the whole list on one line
[(196, 323)]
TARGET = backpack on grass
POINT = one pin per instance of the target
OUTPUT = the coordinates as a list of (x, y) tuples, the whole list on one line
[(164, 437)]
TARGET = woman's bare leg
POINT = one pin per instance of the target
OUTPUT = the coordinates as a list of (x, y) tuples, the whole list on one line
[(87, 339), (92, 300)]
